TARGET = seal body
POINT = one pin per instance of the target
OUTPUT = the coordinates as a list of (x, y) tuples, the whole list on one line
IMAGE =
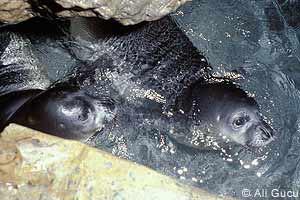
[(156, 55), (22, 76), (161, 59), (29, 97)]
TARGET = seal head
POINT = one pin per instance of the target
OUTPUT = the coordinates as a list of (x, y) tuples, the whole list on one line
[(218, 115), (66, 112)]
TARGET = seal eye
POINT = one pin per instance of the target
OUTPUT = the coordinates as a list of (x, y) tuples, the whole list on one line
[(240, 121)]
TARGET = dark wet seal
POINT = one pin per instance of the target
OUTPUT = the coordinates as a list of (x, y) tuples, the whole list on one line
[(219, 115), (27, 98), (206, 115), (12, 102), (66, 112), (21, 75)]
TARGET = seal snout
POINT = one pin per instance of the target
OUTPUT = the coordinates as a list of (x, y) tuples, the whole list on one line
[(263, 134), (266, 131)]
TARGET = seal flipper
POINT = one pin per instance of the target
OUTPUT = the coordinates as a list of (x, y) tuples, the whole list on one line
[(12, 102), (22, 76)]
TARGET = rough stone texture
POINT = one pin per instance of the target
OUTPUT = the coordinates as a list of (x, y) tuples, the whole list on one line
[(14, 11), (34, 165), (125, 11)]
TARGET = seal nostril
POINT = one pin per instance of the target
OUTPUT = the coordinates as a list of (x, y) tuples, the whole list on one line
[(266, 134)]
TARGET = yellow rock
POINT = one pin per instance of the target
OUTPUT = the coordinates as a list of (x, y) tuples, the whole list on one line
[(34, 165)]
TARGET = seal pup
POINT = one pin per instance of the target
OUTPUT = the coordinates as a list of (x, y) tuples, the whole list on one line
[(218, 115), (28, 97), (66, 112), (160, 57)]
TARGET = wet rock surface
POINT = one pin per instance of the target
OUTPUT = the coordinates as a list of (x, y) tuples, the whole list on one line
[(15, 11), (125, 11)]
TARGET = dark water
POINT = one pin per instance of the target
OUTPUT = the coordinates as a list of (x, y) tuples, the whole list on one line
[(260, 41), (254, 43)]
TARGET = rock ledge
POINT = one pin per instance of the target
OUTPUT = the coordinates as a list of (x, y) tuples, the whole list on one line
[(125, 11)]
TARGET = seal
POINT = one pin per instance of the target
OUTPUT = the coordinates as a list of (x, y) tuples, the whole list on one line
[(29, 97), (21, 75), (218, 115), (203, 114), (66, 112)]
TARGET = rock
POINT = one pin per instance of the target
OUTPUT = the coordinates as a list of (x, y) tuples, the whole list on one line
[(34, 165), (14, 11), (125, 11)]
